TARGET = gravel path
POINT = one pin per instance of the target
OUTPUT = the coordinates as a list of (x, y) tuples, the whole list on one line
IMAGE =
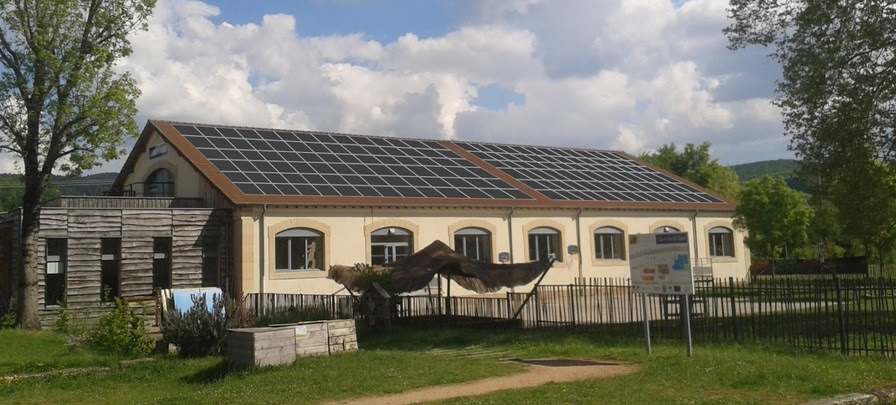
[(539, 372)]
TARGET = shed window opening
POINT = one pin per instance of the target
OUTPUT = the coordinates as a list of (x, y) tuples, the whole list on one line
[(161, 262), (110, 269), (721, 242), (210, 268), (474, 243), (299, 249), (609, 243), (54, 278), (390, 244), (544, 243)]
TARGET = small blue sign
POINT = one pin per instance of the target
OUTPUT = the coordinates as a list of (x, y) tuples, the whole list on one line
[(668, 238), (158, 150)]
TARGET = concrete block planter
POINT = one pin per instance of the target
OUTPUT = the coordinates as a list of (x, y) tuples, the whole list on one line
[(281, 344)]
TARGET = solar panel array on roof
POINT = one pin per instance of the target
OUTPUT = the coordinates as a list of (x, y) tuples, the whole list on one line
[(586, 175), (269, 162)]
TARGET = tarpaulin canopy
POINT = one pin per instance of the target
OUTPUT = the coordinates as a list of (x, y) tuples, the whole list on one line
[(416, 271)]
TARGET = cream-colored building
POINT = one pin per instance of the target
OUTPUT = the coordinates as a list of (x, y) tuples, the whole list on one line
[(302, 201)]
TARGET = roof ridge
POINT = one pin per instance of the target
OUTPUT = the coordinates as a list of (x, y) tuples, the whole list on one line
[(320, 132)]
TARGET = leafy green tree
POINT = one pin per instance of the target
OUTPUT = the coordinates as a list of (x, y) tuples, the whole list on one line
[(64, 106), (865, 193), (774, 215), (838, 87), (694, 164), (11, 195)]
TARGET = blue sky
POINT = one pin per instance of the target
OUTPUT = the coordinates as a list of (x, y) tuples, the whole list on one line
[(628, 75), (380, 20)]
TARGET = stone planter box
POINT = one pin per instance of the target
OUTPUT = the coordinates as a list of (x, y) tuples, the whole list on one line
[(281, 344)]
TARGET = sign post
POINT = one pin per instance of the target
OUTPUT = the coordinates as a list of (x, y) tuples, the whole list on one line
[(661, 264)]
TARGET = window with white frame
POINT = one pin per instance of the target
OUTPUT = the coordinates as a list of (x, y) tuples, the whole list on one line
[(475, 243), (299, 249), (390, 244), (544, 243), (721, 242), (609, 243)]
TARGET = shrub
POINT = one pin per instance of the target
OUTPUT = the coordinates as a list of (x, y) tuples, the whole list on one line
[(293, 315), (122, 331), (8, 320), (197, 332), (238, 316), (67, 323)]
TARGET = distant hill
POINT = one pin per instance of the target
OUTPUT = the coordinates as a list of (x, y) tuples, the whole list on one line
[(786, 168), (93, 184)]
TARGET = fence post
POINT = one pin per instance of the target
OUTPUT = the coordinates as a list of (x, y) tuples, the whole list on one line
[(733, 307), (844, 346), (537, 309), (572, 305)]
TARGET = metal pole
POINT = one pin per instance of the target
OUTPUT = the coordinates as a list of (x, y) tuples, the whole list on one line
[(687, 323), (646, 323)]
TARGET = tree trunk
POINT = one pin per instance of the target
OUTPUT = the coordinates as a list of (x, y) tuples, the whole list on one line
[(27, 315)]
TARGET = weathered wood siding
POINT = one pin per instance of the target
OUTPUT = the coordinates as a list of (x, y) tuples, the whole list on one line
[(128, 202), (84, 228)]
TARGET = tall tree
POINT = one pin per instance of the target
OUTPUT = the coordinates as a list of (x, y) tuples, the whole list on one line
[(64, 105), (694, 164), (838, 88), (774, 215), (865, 192)]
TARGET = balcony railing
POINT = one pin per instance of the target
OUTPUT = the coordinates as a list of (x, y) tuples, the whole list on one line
[(143, 189)]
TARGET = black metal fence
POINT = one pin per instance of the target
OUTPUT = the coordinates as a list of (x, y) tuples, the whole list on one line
[(850, 315), (340, 306)]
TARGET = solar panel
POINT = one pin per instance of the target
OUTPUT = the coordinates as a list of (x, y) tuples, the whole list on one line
[(313, 164), (585, 175)]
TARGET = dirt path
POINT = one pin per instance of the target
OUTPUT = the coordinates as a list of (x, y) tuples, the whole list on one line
[(540, 372)]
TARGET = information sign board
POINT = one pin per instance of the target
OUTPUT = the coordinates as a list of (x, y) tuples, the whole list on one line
[(661, 263)]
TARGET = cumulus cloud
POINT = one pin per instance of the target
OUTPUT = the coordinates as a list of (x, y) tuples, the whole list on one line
[(621, 74)]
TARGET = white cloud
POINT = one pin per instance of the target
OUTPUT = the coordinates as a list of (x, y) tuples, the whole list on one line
[(622, 74)]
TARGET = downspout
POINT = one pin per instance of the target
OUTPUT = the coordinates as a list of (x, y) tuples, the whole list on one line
[(510, 232), (261, 261), (579, 239), (696, 245)]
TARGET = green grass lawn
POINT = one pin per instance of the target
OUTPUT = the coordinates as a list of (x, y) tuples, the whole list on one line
[(400, 360), (30, 352)]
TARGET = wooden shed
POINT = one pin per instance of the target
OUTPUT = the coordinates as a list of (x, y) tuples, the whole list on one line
[(94, 249)]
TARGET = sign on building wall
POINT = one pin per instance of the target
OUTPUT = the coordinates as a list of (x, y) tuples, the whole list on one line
[(661, 263), (158, 150)]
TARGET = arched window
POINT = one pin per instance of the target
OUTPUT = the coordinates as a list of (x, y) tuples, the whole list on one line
[(666, 229), (159, 183), (299, 249), (390, 244), (721, 242), (475, 243), (609, 243), (544, 242)]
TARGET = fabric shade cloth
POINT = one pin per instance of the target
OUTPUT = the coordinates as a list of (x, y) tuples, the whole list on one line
[(416, 271)]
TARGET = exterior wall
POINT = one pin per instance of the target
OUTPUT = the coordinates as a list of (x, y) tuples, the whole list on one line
[(347, 239), (83, 230)]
